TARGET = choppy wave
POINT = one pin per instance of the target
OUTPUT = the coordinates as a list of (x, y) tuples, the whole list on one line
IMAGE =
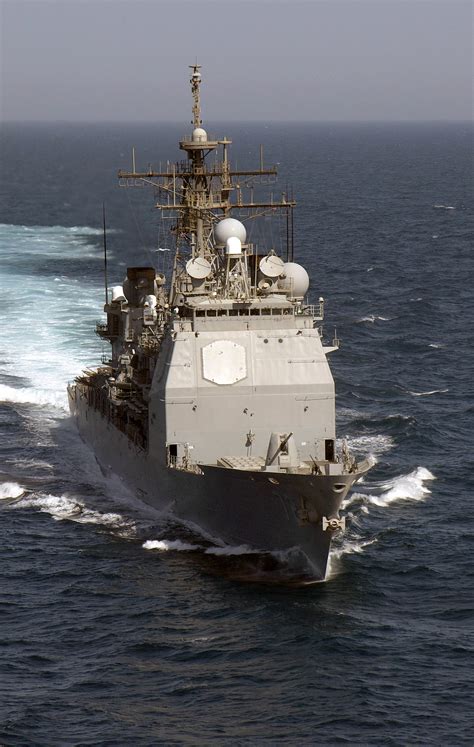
[(31, 464), (373, 445), (444, 207), (10, 490), (372, 318), (65, 507), (409, 487), (353, 498), (31, 396), (61, 230), (61, 242), (352, 546), (57, 315), (406, 487), (427, 394)]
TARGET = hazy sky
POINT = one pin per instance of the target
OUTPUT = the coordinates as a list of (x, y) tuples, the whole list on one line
[(262, 59)]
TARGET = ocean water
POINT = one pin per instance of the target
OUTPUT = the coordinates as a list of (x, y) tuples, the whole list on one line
[(121, 627)]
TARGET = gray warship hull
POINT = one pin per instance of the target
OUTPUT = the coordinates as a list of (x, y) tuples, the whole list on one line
[(217, 402), (279, 513)]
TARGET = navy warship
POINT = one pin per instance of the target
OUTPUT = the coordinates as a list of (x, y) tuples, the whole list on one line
[(216, 401)]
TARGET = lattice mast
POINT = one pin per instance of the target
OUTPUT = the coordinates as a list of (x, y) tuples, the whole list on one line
[(199, 194)]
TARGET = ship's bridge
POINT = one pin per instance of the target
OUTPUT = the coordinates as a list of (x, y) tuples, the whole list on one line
[(259, 313)]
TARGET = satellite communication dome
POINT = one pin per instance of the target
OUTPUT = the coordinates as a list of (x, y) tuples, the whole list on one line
[(229, 228), (296, 280), (199, 135)]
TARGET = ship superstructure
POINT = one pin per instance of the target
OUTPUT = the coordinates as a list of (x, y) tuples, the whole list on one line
[(217, 400)]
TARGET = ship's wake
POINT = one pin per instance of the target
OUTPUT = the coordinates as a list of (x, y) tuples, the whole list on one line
[(237, 562), (359, 505), (53, 473), (66, 507)]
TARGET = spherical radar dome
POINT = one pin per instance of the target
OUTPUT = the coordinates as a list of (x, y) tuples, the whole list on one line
[(199, 135), (229, 228), (296, 280)]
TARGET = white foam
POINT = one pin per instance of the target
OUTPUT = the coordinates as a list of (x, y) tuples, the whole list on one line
[(352, 499), (63, 507), (31, 396), (372, 318), (31, 464), (179, 546), (61, 230), (57, 348), (351, 547), (167, 545), (427, 394), (354, 546), (436, 345), (444, 207), (10, 490), (406, 487), (377, 444), (53, 241)]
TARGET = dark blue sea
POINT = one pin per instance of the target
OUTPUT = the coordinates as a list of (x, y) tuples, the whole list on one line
[(115, 628)]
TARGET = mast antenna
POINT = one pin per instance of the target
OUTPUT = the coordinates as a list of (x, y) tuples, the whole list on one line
[(195, 86), (105, 254)]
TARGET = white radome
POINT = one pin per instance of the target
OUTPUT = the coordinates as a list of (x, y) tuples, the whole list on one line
[(118, 294), (229, 228), (199, 135), (295, 280)]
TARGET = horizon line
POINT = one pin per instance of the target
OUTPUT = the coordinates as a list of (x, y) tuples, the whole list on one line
[(231, 121)]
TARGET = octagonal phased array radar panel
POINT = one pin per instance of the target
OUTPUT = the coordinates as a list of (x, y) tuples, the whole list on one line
[(224, 362)]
